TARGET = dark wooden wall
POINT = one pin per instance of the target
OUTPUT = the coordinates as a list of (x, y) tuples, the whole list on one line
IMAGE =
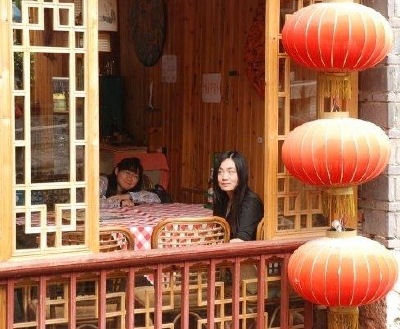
[(207, 36)]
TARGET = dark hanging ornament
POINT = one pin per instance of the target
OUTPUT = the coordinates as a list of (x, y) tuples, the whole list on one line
[(148, 30)]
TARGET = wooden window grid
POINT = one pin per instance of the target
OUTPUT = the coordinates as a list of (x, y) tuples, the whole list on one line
[(50, 146), (294, 208)]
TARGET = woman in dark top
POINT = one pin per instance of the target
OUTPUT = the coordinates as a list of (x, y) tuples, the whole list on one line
[(115, 187), (233, 198)]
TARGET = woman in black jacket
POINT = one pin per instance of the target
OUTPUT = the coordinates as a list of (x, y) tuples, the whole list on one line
[(233, 198)]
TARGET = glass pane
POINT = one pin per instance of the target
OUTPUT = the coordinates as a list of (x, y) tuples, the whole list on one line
[(80, 162), (287, 7), (20, 165), (282, 115), (303, 221), (80, 118), (18, 71), (318, 220), (80, 71), (286, 223), (283, 63), (80, 195), (281, 167), (303, 95)]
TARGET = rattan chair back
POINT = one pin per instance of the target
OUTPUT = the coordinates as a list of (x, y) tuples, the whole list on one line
[(190, 231), (260, 235), (111, 238)]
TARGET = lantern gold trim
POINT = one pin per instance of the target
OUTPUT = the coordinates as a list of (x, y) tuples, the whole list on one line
[(343, 317), (339, 203), (335, 85)]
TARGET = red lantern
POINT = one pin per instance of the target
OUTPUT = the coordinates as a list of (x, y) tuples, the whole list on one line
[(337, 37), (336, 152), (342, 272)]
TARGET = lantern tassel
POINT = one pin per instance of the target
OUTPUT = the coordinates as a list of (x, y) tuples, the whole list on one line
[(343, 318), (339, 203), (335, 85)]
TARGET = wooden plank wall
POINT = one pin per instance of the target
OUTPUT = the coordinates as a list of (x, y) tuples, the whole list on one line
[(207, 37)]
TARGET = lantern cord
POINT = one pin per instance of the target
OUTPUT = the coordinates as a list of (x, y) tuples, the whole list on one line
[(339, 203), (343, 318), (335, 85)]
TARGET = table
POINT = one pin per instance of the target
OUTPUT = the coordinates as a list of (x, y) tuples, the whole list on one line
[(141, 219)]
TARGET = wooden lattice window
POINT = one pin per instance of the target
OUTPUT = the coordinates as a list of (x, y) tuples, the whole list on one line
[(52, 124), (294, 207)]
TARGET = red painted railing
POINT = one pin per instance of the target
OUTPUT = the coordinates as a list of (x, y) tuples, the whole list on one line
[(79, 291)]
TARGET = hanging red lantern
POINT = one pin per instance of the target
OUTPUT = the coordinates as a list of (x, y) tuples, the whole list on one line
[(336, 152), (337, 37), (342, 271)]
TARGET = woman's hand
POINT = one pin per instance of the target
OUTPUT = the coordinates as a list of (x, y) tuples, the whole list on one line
[(124, 200), (126, 203)]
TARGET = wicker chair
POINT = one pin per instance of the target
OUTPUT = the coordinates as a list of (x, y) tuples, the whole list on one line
[(112, 238), (260, 235), (181, 232)]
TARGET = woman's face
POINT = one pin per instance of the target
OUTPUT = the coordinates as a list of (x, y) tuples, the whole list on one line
[(227, 176), (126, 179)]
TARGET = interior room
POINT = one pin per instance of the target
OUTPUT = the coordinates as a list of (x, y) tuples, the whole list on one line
[(104, 102), (153, 75)]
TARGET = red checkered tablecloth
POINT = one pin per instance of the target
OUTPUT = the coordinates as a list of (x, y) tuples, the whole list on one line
[(141, 219)]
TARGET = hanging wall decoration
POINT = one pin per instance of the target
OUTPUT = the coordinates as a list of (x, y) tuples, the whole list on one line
[(254, 56), (108, 18), (148, 21)]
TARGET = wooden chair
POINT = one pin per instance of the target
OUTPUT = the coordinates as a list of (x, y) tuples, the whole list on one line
[(260, 235), (181, 232), (112, 238)]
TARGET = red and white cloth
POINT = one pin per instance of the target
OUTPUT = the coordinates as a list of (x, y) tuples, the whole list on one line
[(141, 219)]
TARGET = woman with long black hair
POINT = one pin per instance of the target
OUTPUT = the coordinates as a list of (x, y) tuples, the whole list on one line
[(233, 198)]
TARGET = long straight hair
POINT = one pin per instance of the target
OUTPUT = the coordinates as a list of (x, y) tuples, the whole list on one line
[(221, 197)]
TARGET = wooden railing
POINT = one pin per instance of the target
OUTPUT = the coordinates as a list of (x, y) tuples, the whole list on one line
[(178, 288)]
